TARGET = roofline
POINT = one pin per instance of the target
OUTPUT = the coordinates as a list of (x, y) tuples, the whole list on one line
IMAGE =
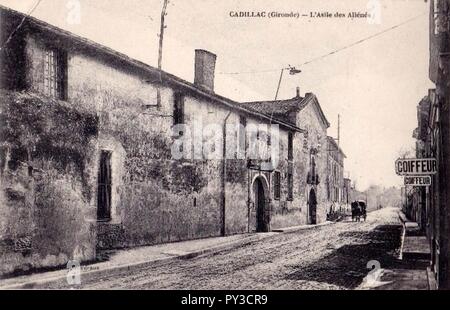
[(310, 96), (34, 22), (336, 145), (228, 102), (298, 99)]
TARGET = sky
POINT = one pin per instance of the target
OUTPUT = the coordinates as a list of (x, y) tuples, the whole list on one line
[(374, 86)]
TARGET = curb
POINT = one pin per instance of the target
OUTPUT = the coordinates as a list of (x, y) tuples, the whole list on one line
[(432, 285), (303, 227), (111, 270), (402, 241), (402, 217), (61, 278)]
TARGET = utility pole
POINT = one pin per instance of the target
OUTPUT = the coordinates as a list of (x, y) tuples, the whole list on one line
[(292, 71), (160, 50), (279, 83), (161, 33)]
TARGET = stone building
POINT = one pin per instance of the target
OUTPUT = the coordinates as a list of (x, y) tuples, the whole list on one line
[(416, 207), (422, 203), (89, 144), (433, 134), (309, 197), (335, 176)]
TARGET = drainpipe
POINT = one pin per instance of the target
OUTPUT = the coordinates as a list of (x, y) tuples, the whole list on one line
[(224, 172)]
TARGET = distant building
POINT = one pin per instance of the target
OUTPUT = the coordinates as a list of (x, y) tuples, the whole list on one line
[(347, 190), (335, 175)]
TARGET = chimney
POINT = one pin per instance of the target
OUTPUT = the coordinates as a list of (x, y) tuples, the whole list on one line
[(205, 65), (298, 92)]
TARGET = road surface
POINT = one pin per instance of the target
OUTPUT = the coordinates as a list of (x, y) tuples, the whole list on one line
[(332, 256)]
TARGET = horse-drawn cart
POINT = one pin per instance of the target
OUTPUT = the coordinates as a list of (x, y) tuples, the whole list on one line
[(359, 210)]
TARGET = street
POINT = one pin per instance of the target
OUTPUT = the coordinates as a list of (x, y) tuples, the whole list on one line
[(333, 256)]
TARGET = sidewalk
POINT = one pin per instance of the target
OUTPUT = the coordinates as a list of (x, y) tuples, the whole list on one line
[(412, 272), (126, 260)]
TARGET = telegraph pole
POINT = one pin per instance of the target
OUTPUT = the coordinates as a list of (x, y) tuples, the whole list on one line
[(161, 33), (160, 50)]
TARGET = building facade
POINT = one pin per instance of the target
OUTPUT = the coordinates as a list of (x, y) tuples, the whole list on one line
[(310, 172), (428, 206), (335, 178), (100, 151)]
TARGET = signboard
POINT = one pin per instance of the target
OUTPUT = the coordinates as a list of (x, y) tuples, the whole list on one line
[(417, 180), (260, 165), (416, 166)]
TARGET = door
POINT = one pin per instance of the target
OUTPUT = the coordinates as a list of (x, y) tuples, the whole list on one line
[(260, 202), (312, 207), (104, 187)]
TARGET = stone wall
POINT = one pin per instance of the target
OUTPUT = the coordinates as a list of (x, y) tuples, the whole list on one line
[(315, 139), (46, 148)]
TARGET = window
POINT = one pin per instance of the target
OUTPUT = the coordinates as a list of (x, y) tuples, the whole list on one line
[(178, 111), (291, 146), (104, 187), (55, 65), (277, 185)]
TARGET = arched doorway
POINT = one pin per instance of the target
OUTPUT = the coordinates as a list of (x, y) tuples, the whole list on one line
[(260, 205), (312, 204)]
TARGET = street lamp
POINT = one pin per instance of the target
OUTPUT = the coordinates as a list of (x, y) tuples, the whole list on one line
[(292, 71)]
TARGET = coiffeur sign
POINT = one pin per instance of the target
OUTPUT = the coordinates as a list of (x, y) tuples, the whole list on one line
[(417, 180), (416, 166)]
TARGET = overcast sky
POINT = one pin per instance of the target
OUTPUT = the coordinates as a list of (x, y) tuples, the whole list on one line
[(375, 85)]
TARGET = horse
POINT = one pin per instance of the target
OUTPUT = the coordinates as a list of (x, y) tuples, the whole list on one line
[(363, 210), (356, 211)]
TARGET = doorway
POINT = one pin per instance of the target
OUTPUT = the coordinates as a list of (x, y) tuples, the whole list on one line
[(104, 187), (312, 203), (260, 205)]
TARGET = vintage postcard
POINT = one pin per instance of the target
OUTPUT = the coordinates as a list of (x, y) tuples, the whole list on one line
[(224, 145)]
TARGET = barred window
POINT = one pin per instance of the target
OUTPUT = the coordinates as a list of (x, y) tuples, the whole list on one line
[(54, 74)]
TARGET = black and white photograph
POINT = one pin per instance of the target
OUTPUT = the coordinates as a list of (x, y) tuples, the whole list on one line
[(224, 145)]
